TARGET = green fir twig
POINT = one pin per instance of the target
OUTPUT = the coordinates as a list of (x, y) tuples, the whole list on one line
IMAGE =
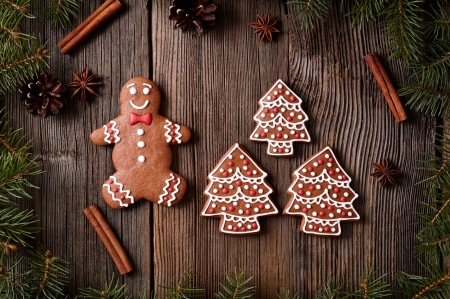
[(183, 290), (237, 288)]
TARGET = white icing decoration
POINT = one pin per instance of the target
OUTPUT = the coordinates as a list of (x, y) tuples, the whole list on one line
[(280, 86), (280, 129), (224, 208), (241, 211), (256, 210), (308, 193), (214, 205), (141, 144), (240, 224), (141, 159), (292, 132), (121, 190), (247, 206), (327, 198), (263, 115), (337, 170), (249, 226), (230, 170), (115, 133), (318, 187), (245, 168), (221, 170), (241, 156), (296, 207), (272, 115), (220, 185), (172, 196), (283, 109), (255, 187), (139, 107), (140, 132), (329, 164), (215, 191), (320, 229), (313, 173), (230, 157), (267, 206), (230, 227), (256, 135), (146, 90), (177, 135), (235, 203), (133, 90), (300, 185)]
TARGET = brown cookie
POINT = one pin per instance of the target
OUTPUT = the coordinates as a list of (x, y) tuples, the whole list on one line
[(280, 120), (141, 154), (321, 193), (238, 193)]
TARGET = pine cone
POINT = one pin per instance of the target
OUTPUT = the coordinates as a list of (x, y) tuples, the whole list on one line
[(192, 15), (43, 97)]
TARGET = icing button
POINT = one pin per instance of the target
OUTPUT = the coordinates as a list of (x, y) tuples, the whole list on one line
[(141, 159), (141, 144), (140, 132)]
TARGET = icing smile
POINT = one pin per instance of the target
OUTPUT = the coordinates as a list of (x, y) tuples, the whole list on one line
[(139, 107)]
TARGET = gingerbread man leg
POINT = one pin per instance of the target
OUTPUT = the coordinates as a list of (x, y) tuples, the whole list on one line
[(117, 192), (172, 191)]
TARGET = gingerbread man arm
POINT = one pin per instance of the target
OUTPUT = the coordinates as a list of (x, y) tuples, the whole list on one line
[(108, 134), (176, 134)]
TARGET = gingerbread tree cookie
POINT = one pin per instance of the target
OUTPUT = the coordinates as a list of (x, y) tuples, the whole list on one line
[(321, 193), (238, 193), (280, 120)]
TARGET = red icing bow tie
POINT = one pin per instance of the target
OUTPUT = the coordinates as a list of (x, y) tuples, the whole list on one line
[(146, 119)]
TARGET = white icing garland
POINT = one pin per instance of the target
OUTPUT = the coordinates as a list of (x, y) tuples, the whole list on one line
[(279, 120), (237, 220), (115, 132), (166, 193), (238, 176), (113, 195), (177, 136), (239, 196)]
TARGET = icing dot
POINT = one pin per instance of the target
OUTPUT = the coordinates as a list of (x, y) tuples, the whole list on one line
[(141, 144), (349, 214), (338, 211), (300, 185), (231, 208), (333, 229), (286, 150), (269, 98), (263, 115), (241, 156), (133, 90), (146, 90), (224, 208), (300, 116), (288, 92), (214, 205), (314, 214), (220, 186), (249, 226), (230, 170), (329, 164), (313, 173), (256, 210), (215, 191), (275, 92), (245, 167), (272, 115), (141, 159), (255, 172), (267, 207), (322, 205), (308, 206), (140, 132), (211, 211), (231, 187), (280, 129), (241, 211), (280, 86), (304, 170), (346, 194), (302, 135), (320, 229), (255, 187), (334, 195), (265, 130), (315, 164), (327, 156), (285, 136), (330, 187), (274, 150), (230, 227), (331, 215), (256, 135), (310, 226), (247, 206), (221, 170), (296, 207), (283, 109), (340, 177), (235, 203), (240, 224), (246, 187), (292, 132), (230, 157), (337, 170), (318, 187), (322, 213)]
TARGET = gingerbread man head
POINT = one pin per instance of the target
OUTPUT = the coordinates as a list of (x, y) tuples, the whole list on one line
[(140, 95)]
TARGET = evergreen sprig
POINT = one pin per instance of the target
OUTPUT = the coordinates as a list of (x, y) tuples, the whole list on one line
[(60, 12), (307, 11), (371, 287), (183, 290), (16, 226), (112, 290), (285, 294), (237, 288), (331, 290)]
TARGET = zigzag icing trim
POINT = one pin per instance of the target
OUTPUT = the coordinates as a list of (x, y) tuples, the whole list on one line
[(335, 227), (279, 120), (121, 190), (115, 132), (281, 101), (240, 196), (324, 177), (172, 196), (177, 136), (239, 220), (238, 175)]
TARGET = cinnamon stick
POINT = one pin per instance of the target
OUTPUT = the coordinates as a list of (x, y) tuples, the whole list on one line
[(98, 17), (108, 238), (388, 89)]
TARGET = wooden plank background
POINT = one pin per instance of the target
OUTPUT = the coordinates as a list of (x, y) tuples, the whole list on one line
[(212, 84)]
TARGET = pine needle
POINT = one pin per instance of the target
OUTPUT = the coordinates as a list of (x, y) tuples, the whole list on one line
[(183, 290), (236, 288)]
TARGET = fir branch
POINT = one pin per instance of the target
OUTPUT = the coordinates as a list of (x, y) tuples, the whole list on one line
[(435, 286), (431, 286), (182, 290), (16, 226), (60, 12), (237, 288), (366, 10), (434, 237), (439, 26), (404, 28), (309, 10), (13, 284), (331, 290), (284, 294), (111, 290), (21, 6), (48, 274), (427, 100), (371, 287)]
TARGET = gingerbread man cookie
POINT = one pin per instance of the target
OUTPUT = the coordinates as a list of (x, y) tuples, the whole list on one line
[(141, 154), (321, 193), (280, 120), (238, 193)]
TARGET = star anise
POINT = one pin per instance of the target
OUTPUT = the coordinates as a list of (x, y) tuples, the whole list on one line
[(264, 27), (384, 173), (84, 83)]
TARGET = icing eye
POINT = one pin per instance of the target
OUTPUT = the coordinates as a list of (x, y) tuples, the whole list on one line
[(133, 90), (146, 90)]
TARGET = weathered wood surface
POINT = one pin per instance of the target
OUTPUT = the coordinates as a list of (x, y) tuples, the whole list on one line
[(212, 85)]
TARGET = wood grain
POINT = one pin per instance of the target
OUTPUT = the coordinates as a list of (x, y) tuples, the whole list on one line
[(212, 84)]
